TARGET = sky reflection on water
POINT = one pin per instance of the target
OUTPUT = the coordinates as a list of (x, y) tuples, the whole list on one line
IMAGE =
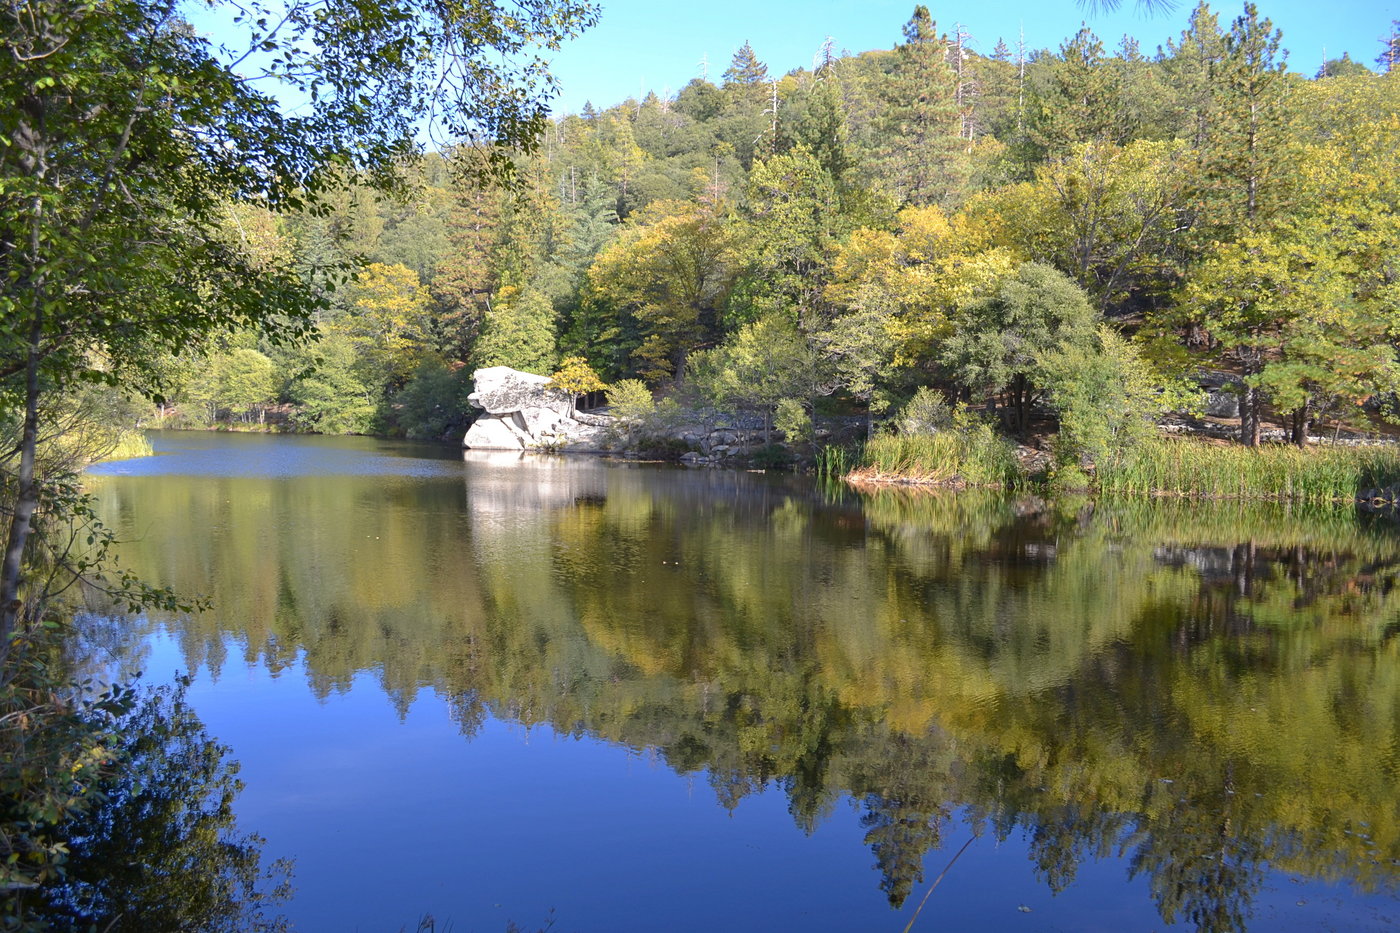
[(656, 698)]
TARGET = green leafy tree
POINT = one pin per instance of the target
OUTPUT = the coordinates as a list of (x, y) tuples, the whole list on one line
[(388, 324), (1284, 305), (1107, 398), (671, 270), (329, 395), (791, 219), (891, 295), (1002, 344), (247, 382), (519, 332), (765, 362), (433, 403), (1107, 216)]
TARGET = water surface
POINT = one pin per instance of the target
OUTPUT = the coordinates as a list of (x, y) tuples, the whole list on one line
[(497, 689)]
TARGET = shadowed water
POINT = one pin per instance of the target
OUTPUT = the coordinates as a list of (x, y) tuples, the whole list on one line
[(654, 698)]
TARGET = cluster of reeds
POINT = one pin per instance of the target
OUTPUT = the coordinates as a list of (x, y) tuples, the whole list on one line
[(129, 445), (1180, 467), (975, 456), (834, 462)]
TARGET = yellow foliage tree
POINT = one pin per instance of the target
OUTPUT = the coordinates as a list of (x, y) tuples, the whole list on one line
[(576, 377)]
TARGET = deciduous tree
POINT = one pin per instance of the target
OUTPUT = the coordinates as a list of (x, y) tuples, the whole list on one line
[(127, 135)]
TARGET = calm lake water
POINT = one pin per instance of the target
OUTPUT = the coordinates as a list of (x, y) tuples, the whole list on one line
[(504, 690)]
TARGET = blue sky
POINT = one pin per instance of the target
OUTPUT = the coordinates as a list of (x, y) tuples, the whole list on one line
[(658, 44)]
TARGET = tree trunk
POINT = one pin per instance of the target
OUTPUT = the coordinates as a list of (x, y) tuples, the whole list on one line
[(26, 486), (1250, 405), (26, 495), (1300, 426), (1021, 396)]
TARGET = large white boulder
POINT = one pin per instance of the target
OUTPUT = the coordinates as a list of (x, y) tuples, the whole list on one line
[(523, 411), (501, 390)]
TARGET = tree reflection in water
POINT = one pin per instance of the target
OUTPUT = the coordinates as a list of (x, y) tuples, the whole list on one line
[(1207, 692), (162, 852)]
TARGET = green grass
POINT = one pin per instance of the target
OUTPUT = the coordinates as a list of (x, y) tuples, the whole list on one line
[(974, 457), (1189, 468)]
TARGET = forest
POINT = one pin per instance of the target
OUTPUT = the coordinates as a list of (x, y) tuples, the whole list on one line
[(1080, 234)]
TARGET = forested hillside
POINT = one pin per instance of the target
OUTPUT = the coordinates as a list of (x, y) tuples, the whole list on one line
[(1078, 226)]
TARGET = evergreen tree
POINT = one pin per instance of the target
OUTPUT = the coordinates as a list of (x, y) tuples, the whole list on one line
[(1341, 68), (745, 70), (924, 160), (1080, 101), (1241, 165), (1242, 168), (1190, 65), (1003, 344), (466, 276)]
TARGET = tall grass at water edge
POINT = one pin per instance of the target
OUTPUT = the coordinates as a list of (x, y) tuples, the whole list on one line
[(1190, 468), (835, 461), (130, 445), (975, 457)]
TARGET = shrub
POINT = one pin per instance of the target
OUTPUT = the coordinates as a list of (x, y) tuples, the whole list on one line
[(928, 412), (1107, 397), (793, 420), (772, 457), (639, 419)]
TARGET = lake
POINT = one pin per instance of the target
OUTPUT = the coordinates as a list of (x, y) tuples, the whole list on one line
[(494, 690)]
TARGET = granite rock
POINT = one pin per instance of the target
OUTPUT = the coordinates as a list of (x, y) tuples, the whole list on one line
[(522, 411)]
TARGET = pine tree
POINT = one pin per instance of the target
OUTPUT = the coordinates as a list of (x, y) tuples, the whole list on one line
[(1079, 103), (465, 278), (1239, 169), (1189, 66), (745, 70), (1241, 159), (923, 157)]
